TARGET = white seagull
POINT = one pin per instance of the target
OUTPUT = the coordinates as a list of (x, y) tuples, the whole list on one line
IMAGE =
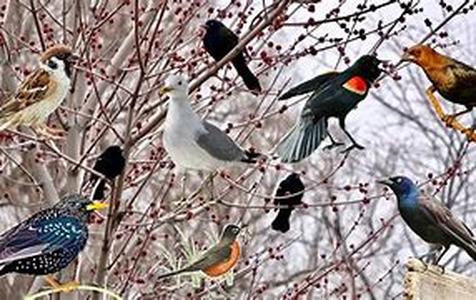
[(193, 143)]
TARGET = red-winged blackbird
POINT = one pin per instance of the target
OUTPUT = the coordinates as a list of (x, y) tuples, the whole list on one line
[(293, 187), (110, 163), (219, 41), (454, 80), (333, 95)]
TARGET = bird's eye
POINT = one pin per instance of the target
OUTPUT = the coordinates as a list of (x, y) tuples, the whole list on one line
[(399, 180), (52, 64), (180, 83)]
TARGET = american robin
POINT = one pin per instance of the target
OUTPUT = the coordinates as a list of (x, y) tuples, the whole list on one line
[(110, 163), (49, 240), (454, 80), (333, 95), (217, 260), (218, 41)]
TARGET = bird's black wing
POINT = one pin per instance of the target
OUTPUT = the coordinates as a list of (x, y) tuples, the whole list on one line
[(465, 75), (308, 86), (229, 36), (291, 186), (465, 82), (444, 219)]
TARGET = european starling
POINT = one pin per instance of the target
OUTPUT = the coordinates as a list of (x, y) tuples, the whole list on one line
[(49, 240), (293, 187), (219, 41), (429, 218), (333, 95), (217, 260), (110, 163), (454, 80), (193, 143)]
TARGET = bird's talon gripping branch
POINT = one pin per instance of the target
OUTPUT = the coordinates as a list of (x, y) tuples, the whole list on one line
[(50, 133), (354, 146), (449, 120), (442, 269), (332, 146), (66, 287), (425, 265)]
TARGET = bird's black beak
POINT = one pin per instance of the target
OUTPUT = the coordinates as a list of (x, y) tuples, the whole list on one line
[(73, 58), (407, 57), (386, 181), (204, 26)]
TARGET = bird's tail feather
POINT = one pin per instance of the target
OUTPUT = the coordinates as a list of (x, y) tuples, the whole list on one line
[(179, 271), (470, 248), (169, 274), (250, 80), (281, 222), (99, 190), (302, 140)]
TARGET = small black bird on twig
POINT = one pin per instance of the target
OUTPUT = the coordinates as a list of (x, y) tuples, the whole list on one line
[(293, 187), (110, 163), (219, 41)]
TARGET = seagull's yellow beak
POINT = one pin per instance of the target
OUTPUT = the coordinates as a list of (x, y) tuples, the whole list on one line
[(165, 89), (96, 205)]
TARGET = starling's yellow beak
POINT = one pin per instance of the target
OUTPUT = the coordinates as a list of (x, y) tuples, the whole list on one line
[(165, 89), (96, 205)]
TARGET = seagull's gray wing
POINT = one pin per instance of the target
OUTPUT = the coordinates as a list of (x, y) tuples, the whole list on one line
[(218, 144)]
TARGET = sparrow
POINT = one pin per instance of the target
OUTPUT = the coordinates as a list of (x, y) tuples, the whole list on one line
[(41, 93), (219, 40)]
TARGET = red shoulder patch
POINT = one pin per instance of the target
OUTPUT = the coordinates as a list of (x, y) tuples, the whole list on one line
[(356, 85)]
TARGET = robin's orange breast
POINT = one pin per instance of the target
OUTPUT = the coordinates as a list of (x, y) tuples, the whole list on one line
[(356, 85), (225, 266)]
